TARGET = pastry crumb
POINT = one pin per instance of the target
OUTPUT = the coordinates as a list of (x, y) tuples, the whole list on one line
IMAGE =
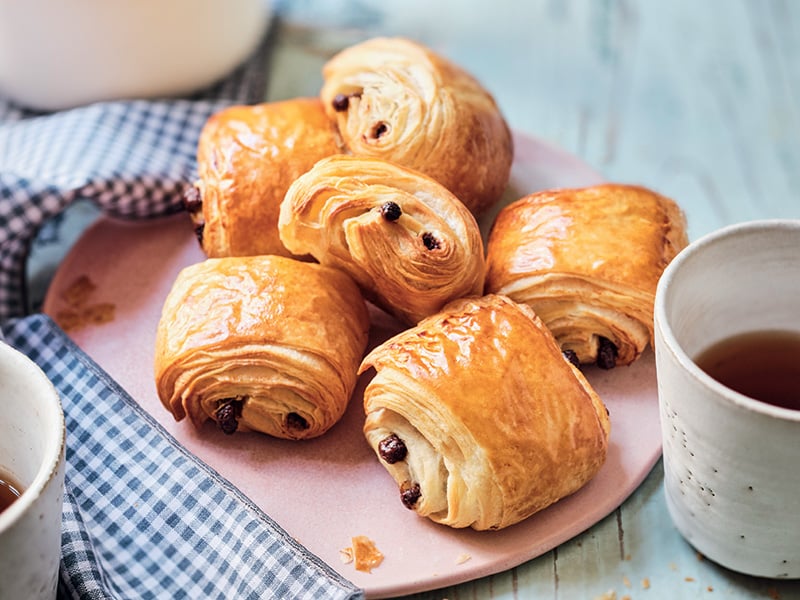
[(646, 583), (79, 311), (609, 595), (462, 558), (626, 581), (363, 552), (77, 293), (99, 313)]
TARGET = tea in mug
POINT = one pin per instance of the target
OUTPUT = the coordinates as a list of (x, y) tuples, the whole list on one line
[(763, 365), (10, 490)]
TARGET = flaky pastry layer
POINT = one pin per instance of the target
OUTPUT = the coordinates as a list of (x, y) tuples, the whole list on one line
[(588, 262), (395, 99), (479, 417), (247, 157), (265, 343), (408, 242)]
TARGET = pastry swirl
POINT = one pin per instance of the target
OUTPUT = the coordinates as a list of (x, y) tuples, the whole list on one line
[(588, 262), (247, 157), (479, 418), (408, 242), (266, 343), (395, 99)]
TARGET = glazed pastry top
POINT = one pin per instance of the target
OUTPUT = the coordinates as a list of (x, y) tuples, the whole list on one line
[(248, 156), (618, 233), (395, 99), (409, 243), (496, 422)]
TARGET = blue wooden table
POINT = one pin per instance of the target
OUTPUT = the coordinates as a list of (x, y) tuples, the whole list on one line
[(697, 100)]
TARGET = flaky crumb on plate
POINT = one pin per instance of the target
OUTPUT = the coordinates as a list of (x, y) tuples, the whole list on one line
[(363, 552), (79, 311)]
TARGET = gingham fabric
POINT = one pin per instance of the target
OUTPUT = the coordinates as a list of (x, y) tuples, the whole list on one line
[(132, 158), (145, 519)]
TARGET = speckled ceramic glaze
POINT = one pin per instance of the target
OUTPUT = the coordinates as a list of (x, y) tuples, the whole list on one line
[(32, 450), (731, 463)]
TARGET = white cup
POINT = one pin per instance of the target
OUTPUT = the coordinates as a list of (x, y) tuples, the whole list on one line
[(56, 54), (32, 445), (731, 463)]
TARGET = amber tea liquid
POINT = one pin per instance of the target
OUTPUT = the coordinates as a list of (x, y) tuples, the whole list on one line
[(10, 490), (764, 365)]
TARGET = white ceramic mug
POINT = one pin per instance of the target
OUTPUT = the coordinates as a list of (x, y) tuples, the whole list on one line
[(56, 54), (32, 446), (731, 463)]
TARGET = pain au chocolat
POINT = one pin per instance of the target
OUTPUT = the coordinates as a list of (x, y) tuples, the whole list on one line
[(478, 416), (408, 242), (247, 157), (395, 99), (588, 261), (263, 343)]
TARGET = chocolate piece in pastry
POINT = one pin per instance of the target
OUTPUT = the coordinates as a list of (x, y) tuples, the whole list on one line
[(588, 261), (247, 157), (410, 244), (263, 343), (395, 99), (479, 417)]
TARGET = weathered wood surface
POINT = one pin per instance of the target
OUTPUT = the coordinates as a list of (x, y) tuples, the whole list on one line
[(698, 100)]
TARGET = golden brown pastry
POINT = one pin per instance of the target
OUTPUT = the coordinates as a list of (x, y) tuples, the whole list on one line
[(588, 261), (263, 343), (247, 157), (478, 416), (395, 99), (408, 242)]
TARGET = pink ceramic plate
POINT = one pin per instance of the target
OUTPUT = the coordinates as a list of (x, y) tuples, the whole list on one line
[(325, 491)]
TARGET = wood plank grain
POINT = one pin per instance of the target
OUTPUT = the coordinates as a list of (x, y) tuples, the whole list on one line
[(698, 100)]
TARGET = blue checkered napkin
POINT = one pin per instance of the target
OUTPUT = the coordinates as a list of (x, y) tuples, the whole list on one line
[(145, 519), (134, 159)]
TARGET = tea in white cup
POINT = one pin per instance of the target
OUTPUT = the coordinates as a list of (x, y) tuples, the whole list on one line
[(32, 446), (727, 341)]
